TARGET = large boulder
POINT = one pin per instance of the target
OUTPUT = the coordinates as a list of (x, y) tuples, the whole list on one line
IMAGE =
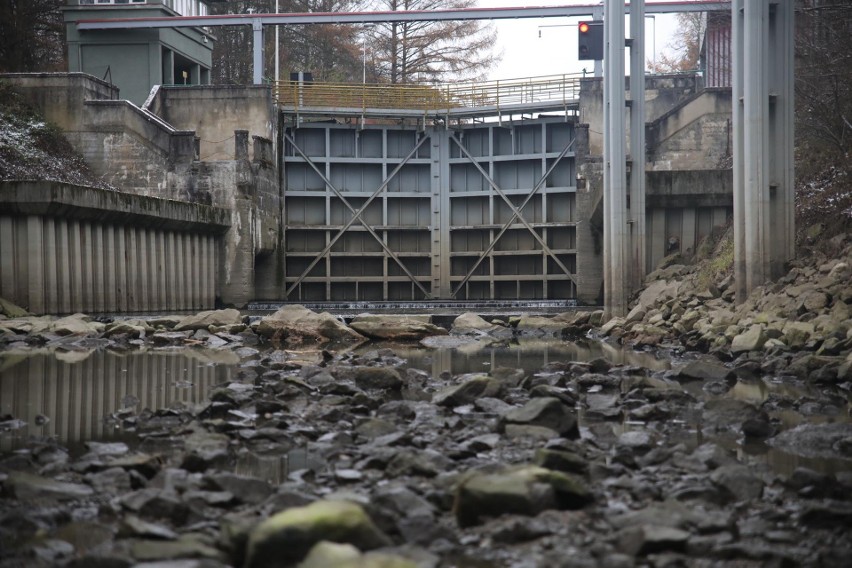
[(525, 490), (469, 323), (286, 538), (472, 388), (540, 326), (750, 340), (11, 310), (396, 327), (203, 320), (76, 324), (546, 412), (296, 324), (327, 554)]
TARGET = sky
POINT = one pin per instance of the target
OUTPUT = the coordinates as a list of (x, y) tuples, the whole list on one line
[(553, 51)]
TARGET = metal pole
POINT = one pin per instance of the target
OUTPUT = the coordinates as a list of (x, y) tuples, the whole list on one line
[(257, 48), (277, 64), (615, 173), (637, 143)]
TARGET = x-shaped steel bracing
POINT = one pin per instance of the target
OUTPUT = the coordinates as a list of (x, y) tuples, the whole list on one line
[(356, 216), (516, 214)]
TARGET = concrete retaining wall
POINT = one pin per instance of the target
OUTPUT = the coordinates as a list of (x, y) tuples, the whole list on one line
[(65, 249)]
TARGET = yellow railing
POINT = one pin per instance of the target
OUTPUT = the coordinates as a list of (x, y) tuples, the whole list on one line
[(498, 94)]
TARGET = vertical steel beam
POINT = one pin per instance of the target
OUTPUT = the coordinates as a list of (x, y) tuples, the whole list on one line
[(637, 143), (615, 172), (257, 48), (763, 141), (738, 125)]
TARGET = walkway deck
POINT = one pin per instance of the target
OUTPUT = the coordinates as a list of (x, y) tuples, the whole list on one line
[(459, 100)]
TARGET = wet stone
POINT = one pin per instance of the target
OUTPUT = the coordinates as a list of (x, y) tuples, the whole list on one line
[(544, 412)]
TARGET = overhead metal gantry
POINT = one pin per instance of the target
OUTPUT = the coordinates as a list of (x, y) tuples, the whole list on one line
[(258, 21)]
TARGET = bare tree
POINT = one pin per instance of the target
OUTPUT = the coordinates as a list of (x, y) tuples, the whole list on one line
[(31, 35), (685, 46), (329, 51), (409, 52), (824, 75)]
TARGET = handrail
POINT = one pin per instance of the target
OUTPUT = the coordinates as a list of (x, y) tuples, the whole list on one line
[(503, 93)]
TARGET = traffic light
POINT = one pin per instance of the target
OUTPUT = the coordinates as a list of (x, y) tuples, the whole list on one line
[(590, 44)]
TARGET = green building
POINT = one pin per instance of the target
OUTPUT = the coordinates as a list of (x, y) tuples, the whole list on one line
[(137, 59)]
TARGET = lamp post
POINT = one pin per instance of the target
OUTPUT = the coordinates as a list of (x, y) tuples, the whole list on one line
[(276, 47)]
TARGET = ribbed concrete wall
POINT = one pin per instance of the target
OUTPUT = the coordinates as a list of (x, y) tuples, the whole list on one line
[(66, 249), (79, 396)]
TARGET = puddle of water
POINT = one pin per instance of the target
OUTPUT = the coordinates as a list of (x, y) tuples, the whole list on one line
[(79, 392)]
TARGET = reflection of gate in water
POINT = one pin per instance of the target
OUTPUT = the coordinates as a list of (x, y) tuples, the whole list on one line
[(78, 396), (478, 212)]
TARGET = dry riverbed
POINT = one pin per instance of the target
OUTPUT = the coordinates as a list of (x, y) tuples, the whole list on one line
[(294, 439)]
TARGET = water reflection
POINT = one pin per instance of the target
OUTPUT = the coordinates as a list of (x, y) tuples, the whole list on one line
[(528, 354), (78, 391)]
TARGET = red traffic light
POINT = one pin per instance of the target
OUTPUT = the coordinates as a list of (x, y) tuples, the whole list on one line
[(584, 27)]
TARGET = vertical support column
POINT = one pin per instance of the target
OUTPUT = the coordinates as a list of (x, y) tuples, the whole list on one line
[(615, 175), (763, 141), (738, 126), (598, 14), (257, 48), (440, 171), (8, 262), (50, 267), (35, 260), (75, 255), (637, 144), (87, 243), (782, 120)]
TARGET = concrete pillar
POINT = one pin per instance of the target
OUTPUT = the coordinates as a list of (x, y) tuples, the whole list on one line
[(133, 270), (8, 264), (120, 269), (63, 267), (75, 258), (615, 173), (168, 72), (50, 268), (143, 264), (180, 272), (35, 265), (762, 52), (442, 286), (171, 272), (87, 245), (109, 268), (637, 144)]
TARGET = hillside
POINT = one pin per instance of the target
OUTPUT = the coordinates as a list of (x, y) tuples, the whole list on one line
[(33, 149)]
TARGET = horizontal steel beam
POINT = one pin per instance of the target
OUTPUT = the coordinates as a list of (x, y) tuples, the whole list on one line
[(387, 16)]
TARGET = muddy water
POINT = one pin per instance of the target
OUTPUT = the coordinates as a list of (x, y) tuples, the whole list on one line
[(75, 397)]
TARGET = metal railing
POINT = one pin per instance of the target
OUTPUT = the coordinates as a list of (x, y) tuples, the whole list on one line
[(550, 89)]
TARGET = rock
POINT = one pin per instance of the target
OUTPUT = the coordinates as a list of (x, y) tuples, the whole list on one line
[(76, 324), (614, 323), (396, 327), (560, 460), (329, 554), (658, 292), (539, 325), (369, 378), (797, 333), (816, 440), (525, 490), (130, 327), (545, 412), (471, 324), (636, 314), (245, 489), (11, 310), (650, 539), (203, 320), (705, 370), (751, 340), (297, 324), (473, 387), (26, 487), (286, 538), (190, 545), (738, 481), (636, 441)]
